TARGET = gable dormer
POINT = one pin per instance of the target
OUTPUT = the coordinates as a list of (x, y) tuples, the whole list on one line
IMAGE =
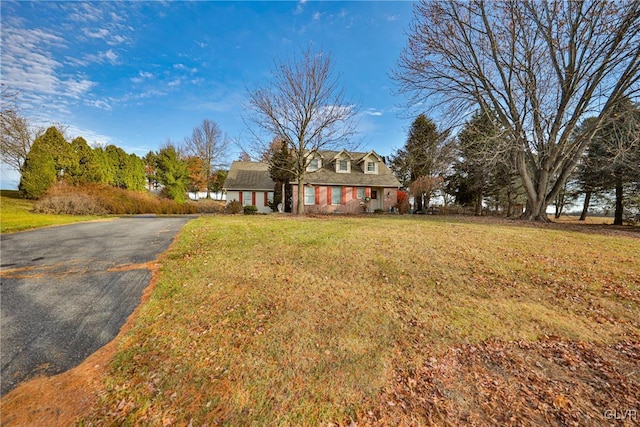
[(342, 162), (370, 163), (314, 161)]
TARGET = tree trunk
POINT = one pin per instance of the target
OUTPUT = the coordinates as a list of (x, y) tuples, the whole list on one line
[(478, 211), (300, 206), (559, 204), (536, 190), (585, 206), (536, 210), (617, 217)]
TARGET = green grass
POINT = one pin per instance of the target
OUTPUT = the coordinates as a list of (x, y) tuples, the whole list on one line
[(16, 214), (304, 321)]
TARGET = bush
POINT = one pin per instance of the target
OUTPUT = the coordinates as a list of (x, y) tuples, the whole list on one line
[(378, 211), (234, 207), (105, 199), (208, 206), (250, 210), (70, 204)]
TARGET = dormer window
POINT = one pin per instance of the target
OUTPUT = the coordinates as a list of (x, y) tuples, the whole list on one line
[(372, 167), (342, 162), (370, 162), (315, 163)]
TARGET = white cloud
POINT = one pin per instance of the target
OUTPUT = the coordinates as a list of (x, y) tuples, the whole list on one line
[(98, 58), (316, 16), (101, 33), (100, 104), (78, 87), (83, 12), (142, 76), (372, 112), (300, 7)]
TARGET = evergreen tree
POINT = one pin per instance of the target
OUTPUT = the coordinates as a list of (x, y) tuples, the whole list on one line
[(64, 158), (38, 170), (172, 173), (106, 169), (281, 166), (86, 169), (427, 154), (612, 162)]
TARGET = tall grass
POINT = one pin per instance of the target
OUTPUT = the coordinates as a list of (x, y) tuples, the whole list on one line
[(302, 321)]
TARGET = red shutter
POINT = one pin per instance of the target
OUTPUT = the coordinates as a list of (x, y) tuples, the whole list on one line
[(367, 192), (329, 195), (344, 195), (253, 198), (317, 195), (266, 198), (354, 194), (240, 195)]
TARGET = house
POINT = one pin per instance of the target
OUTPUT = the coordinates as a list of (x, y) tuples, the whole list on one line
[(335, 182), (250, 184)]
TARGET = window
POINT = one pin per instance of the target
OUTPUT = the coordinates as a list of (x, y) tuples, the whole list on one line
[(270, 196), (309, 195), (371, 167), (374, 194), (343, 165), (336, 195), (360, 193), (314, 164), (246, 198)]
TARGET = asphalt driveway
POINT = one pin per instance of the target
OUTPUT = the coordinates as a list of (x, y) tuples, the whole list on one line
[(66, 291)]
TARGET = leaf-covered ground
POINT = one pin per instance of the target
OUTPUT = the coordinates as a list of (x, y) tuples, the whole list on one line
[(379, 320), (550, 382)]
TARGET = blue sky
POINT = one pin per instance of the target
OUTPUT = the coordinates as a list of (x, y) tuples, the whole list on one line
[(136, 74)]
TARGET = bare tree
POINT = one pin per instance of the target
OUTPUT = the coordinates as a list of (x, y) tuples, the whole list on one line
[(16, 135), (305, 106), (541, 66), (208, 144)]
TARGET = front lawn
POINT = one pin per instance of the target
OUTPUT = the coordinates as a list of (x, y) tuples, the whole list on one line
[(274, 321), (382, 320)]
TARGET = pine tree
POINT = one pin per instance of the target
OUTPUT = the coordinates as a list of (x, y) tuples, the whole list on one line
[(281, 166), (172, 173), (38, 170)]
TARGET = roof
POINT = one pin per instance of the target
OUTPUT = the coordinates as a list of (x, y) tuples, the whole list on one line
[(327, 174), (249, 176)]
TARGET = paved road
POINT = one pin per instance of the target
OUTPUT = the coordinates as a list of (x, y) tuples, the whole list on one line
[(66, 291)]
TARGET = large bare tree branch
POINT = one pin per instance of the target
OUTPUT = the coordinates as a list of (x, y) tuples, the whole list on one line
[(542, 67)]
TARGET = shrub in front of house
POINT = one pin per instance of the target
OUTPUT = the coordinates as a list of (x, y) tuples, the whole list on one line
[(234, 207), (250, 210)]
